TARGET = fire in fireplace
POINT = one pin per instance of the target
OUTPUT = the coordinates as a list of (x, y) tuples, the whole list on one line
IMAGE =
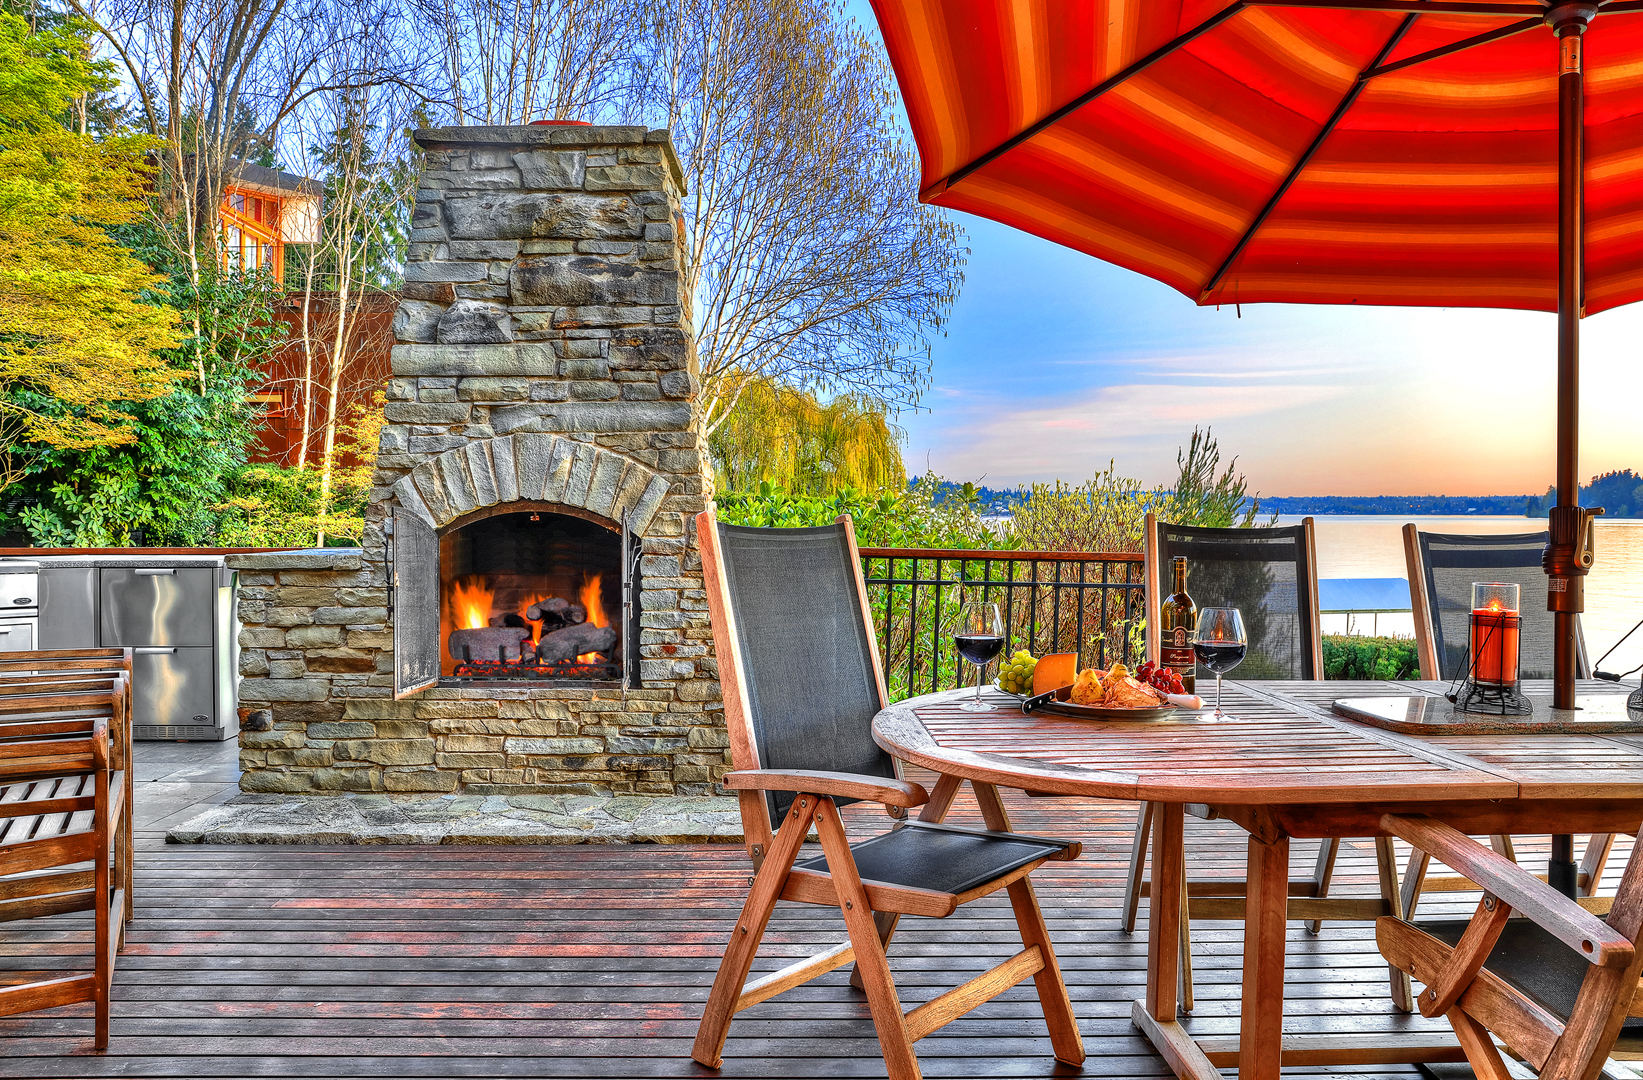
[(534, 595)]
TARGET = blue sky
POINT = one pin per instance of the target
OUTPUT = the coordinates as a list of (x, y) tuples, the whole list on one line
[(1054, 363)]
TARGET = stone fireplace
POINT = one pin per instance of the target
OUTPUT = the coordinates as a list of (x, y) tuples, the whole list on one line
[(525, 614)]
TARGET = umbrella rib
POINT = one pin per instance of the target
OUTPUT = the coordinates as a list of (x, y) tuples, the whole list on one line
[(1459, 46), (1084, 99), (1301, 163), (1414, 7)]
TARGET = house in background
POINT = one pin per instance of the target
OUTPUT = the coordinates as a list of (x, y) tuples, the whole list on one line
[(263, 210)]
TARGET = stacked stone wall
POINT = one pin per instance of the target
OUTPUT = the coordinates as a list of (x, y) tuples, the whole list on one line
[(545, 355)]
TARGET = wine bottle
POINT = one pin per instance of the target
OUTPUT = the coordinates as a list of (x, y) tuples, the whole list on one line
[(1177, 619)]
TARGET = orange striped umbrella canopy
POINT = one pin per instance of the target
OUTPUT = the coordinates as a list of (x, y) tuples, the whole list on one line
[(1308, 151)]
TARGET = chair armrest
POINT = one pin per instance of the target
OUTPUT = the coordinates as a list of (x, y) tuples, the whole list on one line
[(1549, 909), (883, 789)]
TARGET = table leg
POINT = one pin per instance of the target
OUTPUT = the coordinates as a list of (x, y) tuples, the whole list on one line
[(1266, 909), (1164, 912)]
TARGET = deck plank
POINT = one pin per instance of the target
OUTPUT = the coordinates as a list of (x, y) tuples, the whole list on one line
[(593, 961)]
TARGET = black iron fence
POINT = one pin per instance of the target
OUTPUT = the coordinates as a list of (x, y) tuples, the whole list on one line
[(1090, 603)]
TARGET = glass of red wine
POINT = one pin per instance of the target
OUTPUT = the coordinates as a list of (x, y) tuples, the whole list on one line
[(1220, 643), (978, 635)]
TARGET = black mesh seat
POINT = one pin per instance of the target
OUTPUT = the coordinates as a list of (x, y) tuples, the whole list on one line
[(942, 859), (799, 666), (1442, 568), (1547, 971), (1271, 576)]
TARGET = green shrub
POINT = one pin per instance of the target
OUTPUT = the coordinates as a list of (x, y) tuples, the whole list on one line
[(1382, 658)]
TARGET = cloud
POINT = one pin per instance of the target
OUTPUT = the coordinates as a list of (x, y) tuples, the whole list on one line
[(1073, 440)]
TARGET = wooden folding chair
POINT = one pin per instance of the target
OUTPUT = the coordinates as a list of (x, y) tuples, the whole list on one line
[(1556, 986), (1442, 567), (799, 667), (65, 798), (1272, 574)]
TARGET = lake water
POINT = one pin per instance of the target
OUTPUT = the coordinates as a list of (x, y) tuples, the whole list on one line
[(1367, 546)]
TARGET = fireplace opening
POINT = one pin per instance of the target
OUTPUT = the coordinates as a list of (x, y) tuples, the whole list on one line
[(532, 595)]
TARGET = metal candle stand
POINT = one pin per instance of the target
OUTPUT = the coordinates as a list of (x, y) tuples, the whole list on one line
[(1492, 655)]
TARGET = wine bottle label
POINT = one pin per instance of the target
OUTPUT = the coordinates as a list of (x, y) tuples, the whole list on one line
[(1177, 652)]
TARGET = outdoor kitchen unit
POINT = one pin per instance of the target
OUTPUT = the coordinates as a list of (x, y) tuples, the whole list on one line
[(176, 614)]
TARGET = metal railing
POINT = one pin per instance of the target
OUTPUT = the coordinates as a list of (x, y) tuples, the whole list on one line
[(1090, 603)]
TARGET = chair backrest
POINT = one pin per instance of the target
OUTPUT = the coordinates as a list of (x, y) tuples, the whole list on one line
[(1442, 567), (1270, 575), (798, 661)]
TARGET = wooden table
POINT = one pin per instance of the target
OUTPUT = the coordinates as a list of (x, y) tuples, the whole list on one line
[(1280, 765)]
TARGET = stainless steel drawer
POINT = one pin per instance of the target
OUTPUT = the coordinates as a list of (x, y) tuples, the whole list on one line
[(161, 606), (17, 636), (68, 607), (175, 686)]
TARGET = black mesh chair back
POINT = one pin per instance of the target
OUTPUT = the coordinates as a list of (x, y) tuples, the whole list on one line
[(1267, 574), (1449, 564), (805, 650)]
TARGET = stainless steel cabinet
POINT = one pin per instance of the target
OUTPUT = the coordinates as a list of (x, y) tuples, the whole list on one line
[(68, 607), (143, 606), (17, 636), (178, 688), (177, 619)]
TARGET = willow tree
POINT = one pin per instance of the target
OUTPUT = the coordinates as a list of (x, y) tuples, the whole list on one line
[(76, 335), (809, 447)]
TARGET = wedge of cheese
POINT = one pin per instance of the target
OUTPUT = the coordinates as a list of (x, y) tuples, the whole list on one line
[(1054, 671)]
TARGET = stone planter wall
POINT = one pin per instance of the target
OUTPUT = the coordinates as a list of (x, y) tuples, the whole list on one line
[(545, 355)]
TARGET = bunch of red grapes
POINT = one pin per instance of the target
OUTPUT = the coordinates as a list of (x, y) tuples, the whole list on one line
[(1163, 679)]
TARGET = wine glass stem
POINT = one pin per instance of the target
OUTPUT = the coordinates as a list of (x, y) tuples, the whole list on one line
[(1217, 695), (980, 670)]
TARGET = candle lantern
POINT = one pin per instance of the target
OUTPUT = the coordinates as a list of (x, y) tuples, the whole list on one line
[(1492, 653)]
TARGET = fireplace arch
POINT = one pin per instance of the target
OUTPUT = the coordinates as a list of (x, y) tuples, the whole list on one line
[(455, 517)]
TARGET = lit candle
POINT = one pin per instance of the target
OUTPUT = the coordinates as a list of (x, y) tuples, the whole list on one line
[(1495, 629)]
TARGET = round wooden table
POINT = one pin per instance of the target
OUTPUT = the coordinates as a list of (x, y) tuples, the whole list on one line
[(1280, 765)]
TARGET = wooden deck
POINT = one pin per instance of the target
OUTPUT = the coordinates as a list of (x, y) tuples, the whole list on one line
[(593, 961)]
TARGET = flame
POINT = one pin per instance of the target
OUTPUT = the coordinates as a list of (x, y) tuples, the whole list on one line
[(1494, 606), (534, 624), (592, 599), (470, 602)]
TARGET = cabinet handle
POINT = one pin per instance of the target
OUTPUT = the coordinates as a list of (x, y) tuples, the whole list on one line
[(144, 571), (155, 650)]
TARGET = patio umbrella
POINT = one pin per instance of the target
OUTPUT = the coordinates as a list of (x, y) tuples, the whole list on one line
[(1417, 152)]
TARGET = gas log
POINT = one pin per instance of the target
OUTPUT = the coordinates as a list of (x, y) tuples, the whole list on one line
[(573, 641), (490, 644), (557, 610)]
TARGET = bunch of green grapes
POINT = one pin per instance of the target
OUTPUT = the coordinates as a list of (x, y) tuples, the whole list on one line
[(1015, 676)]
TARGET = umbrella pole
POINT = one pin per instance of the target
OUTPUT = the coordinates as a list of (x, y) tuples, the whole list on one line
[(1566, 575), (1566, 578)]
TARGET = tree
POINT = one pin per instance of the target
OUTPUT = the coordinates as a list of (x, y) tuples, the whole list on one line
[(78, 334), (214, 81), (506, 62), (812, 263), (363, 240), (790, 439), (1204, 498)]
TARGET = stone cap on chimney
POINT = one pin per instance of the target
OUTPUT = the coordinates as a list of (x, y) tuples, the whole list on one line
[(562, 135)]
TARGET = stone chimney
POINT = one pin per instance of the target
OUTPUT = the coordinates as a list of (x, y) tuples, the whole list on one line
[(542, 410)]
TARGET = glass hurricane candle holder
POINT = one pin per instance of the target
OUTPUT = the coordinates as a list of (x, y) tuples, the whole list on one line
[(1492, 652)]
